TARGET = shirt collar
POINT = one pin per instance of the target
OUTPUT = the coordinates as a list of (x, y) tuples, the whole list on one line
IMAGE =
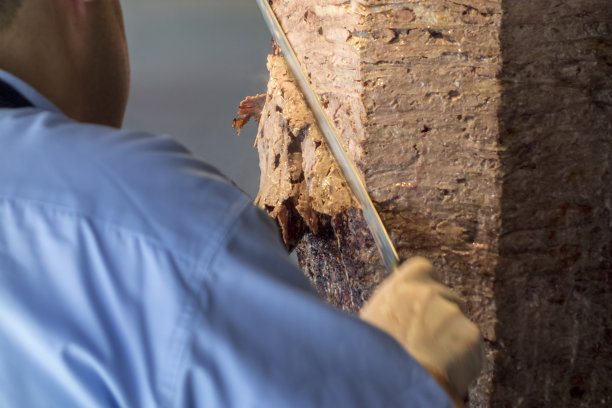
[(28, 92)]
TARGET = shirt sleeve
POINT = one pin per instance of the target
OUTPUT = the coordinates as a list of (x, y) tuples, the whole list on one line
[(259, 337)]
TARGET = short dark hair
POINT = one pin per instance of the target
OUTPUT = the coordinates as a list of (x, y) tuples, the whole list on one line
[(8, 9)]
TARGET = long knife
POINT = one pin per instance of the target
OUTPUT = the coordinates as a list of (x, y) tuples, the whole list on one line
[(377, 228)]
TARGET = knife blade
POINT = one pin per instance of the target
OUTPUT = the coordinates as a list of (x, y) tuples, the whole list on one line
[(352, 176)]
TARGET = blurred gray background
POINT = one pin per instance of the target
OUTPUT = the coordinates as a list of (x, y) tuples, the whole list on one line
[(193, 61)]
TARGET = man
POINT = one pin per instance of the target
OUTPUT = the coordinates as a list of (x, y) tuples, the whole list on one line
[(134, 275)]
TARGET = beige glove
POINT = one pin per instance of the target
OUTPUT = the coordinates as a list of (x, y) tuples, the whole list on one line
[(426, 318)]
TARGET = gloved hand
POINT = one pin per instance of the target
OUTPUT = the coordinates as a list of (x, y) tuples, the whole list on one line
[(426, 318)]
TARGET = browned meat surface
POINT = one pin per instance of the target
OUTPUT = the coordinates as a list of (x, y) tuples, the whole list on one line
[(483, 131)]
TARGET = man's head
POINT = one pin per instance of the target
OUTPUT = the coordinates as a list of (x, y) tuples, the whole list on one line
[(72, 51)]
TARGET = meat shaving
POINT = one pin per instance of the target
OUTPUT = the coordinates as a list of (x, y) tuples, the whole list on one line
[(250, 107)]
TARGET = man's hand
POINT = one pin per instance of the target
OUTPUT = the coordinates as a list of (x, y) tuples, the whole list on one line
[(427, 319)]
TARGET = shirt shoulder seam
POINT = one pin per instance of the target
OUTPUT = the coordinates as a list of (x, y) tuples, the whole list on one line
[(228, 230), (169, 380), (72, 212)]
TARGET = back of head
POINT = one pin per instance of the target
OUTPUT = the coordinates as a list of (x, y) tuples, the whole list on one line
[(8, 9), (81, 66)]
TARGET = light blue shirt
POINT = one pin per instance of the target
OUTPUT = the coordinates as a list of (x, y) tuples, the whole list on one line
[(134, 275)]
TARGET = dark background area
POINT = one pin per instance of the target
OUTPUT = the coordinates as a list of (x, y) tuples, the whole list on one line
[(193, 61)]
